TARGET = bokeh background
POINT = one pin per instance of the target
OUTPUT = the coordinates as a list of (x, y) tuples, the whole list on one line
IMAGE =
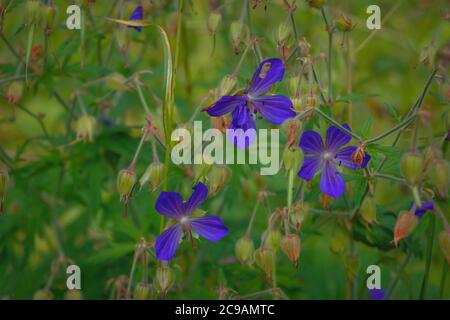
[(62, 198)]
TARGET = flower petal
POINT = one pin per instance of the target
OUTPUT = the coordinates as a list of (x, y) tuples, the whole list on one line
[(225, 105), (169, 204), (242, 130), (311, 142), (331, 181), (269, 72), (197, 198), (138, 14), (336, 138), (344, 157), (309, 168), (426, 206), (167, 243), (211, 228), (275, 109)]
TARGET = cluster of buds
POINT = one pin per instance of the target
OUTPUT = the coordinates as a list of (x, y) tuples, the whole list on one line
[(85, 128), (15, 90), (4, 178)]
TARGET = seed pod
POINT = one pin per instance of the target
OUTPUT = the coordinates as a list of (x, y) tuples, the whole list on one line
[(344, 24), (444, 243), (264, 259), (283, 32), (227, 85), (412, 165), (245, 250), (439, 177), (217, 178), (164, 280), (125, 183), (14, 93), (85, 128), (292, 158), (317, 4), (405, 225), (154, 175), (143, 291), (73, 295), (368, 210), (273, 238), (214, 19), (43, 294), (32, 12), (291, 246)]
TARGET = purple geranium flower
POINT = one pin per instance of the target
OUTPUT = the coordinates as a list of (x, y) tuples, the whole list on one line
[(377, 294), (138, 14), (171, 204), (325, 157), (419, 212), (244, 107)]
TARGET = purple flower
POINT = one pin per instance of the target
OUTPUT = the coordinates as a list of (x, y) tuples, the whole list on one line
[(138, 14), (171, 204), (419, 212), (377, 294), (325, 157), (274, 108)]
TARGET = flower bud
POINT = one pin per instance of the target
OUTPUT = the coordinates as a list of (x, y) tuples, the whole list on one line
[(125, 183), (317, 4), (291, 245), (264, 259), (116, 81), (154, 175), (14, 93), (236, 30), (85, 128), (406, 223), (273, 238), (297, 103), (213, 22), (48, 13), (439, 177), (344, 24), (217, 178), (164, 280), (43, 294), (227, 85), (293, 84), (143, 291), (283, 32), (297, 214), (444, 243), (73, 295), (292, 158), (412, 164), (368, 210), (245, 250), (311, 101), (32, 12)]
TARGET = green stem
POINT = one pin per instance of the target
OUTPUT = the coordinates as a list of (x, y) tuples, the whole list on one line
[(337, 124), (330, 47), (29, 49), (290, 188), (130, 278), (403, 124), (142, 98), (252, 219), (389, 177), (432, 227)]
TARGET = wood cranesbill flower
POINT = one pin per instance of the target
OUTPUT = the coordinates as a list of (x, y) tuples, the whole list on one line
[(171, 204), (245, 106), (327, 157), (138, 14), (419, 212)]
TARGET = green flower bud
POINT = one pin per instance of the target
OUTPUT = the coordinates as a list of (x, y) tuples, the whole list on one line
[(293, 84), (15, 90), (412, 165), (344, 24), (217, 178), (273, 238), (317, 4), (236, 30), (32, 12), (439, 177), (48, 13), (245, 250), (125, 183), (444, 243), (283, 32), (292, 158), (116, 81), (265, 260), (297, 103), (368, 210), (164, 280), (227, 85), (85, 128), (154, 175), (43, 294), (143, 291), (213, 21), (297, 214), (73, 295), (291, 245)]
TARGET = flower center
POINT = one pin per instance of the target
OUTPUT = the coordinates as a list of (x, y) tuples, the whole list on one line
[(184, 220), (327, 155)]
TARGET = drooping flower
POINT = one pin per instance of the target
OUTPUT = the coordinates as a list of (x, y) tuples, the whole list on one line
[(244, 107), (171, 204), (426, 206), (138, 14), (326, 157)]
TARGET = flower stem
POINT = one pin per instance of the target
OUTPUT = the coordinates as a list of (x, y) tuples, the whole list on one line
[(130, 278), (142, 98), (290, 188), (330, 47), (389, 177), (432, 227), (252, 219), (403, 124)]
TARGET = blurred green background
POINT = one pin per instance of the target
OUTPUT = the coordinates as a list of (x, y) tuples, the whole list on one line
[(62, 198)]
